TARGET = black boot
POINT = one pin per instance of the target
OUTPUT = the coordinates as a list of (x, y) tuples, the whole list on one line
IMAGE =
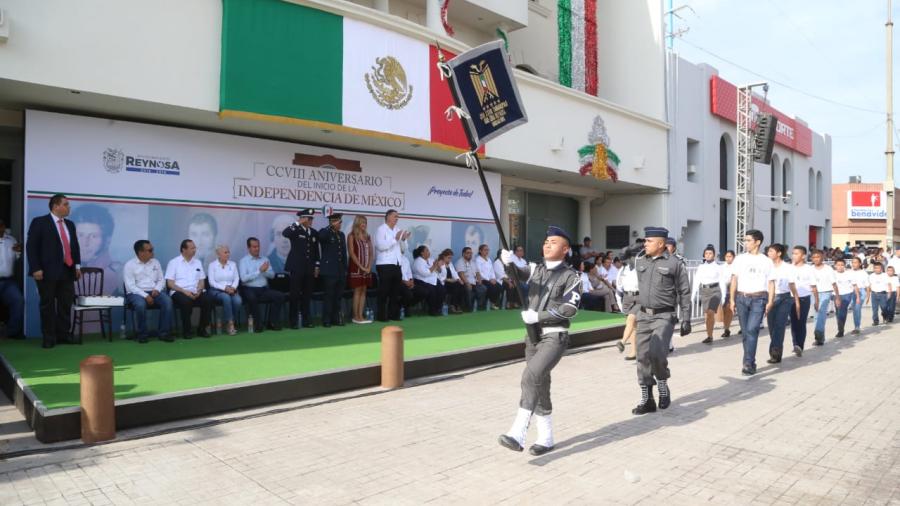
[(840, 330), (665, 395), (648, 404), (819, 338)]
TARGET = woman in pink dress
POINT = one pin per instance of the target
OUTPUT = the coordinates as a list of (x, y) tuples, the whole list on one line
[(359, 244)]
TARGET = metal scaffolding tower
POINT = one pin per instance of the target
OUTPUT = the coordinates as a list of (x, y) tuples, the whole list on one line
[(743, 210)]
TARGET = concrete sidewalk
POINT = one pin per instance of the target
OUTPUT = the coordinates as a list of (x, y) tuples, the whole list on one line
[(821, 429)]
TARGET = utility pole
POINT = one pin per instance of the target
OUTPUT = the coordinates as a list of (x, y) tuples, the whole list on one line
[(889, 148)]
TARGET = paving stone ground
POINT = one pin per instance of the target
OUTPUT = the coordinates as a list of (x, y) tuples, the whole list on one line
[(821, 429)]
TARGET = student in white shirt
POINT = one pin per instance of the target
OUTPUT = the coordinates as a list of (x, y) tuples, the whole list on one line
[(879, 285), (390, 243), (861, 280), (425, 280), (808, 295), (751, 292), (187, 286), (453, 284), (10, 295), (826, 284), (894, 283), (784, 302), (847, 291), (145, 287), (488, 276), (727, 313), (223, 277), (708, 288), (476, 292)]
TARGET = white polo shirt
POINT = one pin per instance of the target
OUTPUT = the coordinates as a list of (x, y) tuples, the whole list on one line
[(468, 268), (753, 272), (421, 270), (186, 274), (879, 282), (485, 268), (825, 278), (783, 275), (845, 282), (805, 279), (860, 278)]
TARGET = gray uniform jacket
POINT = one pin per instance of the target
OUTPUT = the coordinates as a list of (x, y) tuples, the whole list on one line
[(663, 282), (554, 294)]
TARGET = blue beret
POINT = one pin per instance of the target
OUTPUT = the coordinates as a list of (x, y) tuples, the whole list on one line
[(306, 213), (558, 232), (671, 240), (656, 232)]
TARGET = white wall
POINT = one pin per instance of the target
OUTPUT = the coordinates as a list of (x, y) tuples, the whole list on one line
[(636, 210), (165, 51)]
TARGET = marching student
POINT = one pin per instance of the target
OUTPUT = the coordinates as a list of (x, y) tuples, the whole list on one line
[(826, 286), (727, 313), (861, 280), (710, 290), (894, 290), (751, 292), (805, 281), (879, 284), (778, 310), (847, 293)]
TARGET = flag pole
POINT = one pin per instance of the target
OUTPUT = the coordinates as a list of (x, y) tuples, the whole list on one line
[(473, 162)]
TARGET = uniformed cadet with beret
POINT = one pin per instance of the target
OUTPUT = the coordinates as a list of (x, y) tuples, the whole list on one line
[(303, 264), (333, 269), (663, 289), (554, 291)]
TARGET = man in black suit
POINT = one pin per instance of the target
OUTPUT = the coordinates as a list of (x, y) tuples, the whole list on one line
[(333, 268), (303, 264), (54, 261)]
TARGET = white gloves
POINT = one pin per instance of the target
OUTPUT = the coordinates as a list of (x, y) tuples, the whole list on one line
[(506, 256), (530, 316)]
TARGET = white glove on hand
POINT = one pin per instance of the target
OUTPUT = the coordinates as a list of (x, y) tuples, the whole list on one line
[(506, 256), (530, 316)]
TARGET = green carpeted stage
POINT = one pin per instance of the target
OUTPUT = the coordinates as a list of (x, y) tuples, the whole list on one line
[(167, 369)]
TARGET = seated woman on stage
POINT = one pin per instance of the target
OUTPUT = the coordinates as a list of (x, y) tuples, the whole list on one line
[(224, 278), (425, 276), (452, 283)]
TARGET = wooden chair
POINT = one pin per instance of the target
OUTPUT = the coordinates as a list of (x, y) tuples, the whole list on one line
[(91, 285)]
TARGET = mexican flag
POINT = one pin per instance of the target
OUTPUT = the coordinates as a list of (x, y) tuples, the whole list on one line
[(289, 63), (577, 38)]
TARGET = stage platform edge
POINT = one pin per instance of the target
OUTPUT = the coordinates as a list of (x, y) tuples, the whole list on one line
[(54, 425)]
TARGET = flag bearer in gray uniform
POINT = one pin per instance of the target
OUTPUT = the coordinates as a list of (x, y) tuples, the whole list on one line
[(554, 291), (662, 280)]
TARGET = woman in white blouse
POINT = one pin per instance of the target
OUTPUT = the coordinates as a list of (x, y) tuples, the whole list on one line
[(727, 313), (708, 289), (425, 278), (223, 279)]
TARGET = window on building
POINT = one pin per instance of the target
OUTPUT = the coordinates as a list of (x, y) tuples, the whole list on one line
[(693, 159), (819, 195), (786, 177), (811, 188), (724, 155), (618, 236), (724, 240)]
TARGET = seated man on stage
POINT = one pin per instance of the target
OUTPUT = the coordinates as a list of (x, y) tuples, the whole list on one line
[(602, 296), (476, 293), (255, 272), (145, 287), (488, 276), (425, 282), (186, 281)]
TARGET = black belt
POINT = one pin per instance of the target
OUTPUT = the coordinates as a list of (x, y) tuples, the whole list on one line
[(880, 292), (658, 310), (711, 285), (633, 294)]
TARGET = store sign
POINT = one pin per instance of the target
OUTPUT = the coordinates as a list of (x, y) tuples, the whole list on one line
[(866, 205)]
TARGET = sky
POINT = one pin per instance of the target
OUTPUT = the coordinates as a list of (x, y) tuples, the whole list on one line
[(829, 49)]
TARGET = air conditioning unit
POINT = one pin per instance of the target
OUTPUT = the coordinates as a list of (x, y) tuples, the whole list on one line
[(692, 169)]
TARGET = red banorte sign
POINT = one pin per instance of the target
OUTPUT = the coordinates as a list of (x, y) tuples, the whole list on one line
[(865, 199), (790, 133)]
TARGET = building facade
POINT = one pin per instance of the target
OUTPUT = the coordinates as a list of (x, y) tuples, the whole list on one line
[(859, 213)]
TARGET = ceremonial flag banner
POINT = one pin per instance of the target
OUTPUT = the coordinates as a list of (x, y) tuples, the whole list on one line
[(577, 30), (484, 84), (290, 63)]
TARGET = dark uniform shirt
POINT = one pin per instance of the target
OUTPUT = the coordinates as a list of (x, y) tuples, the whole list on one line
[(663, 283), (334, 252), (304, 255), (554, 294)]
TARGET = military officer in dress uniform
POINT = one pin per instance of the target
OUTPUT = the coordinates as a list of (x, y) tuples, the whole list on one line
[(662, 280), (333, 269), (303, 264), (554, 291)]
